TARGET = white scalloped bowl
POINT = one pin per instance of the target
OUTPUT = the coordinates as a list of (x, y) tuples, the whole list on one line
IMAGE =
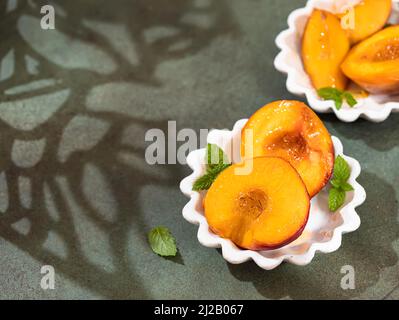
[(376, 108), (323, 231)]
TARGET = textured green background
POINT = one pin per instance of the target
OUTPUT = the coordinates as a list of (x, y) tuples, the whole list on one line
[(75, 191)]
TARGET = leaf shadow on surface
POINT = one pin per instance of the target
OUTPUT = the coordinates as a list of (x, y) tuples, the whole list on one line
[(63, 180)]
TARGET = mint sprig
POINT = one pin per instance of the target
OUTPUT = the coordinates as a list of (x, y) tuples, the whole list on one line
[(339, 184), (336, 199), (350, 99), (216, 162), (338, 96), (215, 156), (162, 242)]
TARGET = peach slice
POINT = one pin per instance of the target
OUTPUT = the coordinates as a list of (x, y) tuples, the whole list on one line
[(369, 17), (324, 47), (265, 209), (292, 131), (374, 63)]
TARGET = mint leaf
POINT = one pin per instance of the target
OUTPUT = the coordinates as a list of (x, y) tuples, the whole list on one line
[(162, 242), (216, 161), (336, 199), (336, 183), (338, 103), (205, 182), (340, 185), (346, 187), (215, 156), (329, 93), (350, 99), (338, 96), (341, 170)]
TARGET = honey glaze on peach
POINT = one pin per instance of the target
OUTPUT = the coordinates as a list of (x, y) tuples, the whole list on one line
[(324, 39), (390, 51), (294, 144), (251, 203), (291, 131)]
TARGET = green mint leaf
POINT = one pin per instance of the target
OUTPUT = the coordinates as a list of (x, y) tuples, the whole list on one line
[(329, 93), (346, 187), (162, 242), (216, 161), (336, 183), (205, 182), (340, 185), (350, 99), (215, 156), (336, 199), (338, 103), (342, 170)]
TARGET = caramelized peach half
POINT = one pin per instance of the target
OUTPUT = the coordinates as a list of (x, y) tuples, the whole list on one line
[(369, 16), (324, 47), (264, 209), (292, 131), (374, 63)]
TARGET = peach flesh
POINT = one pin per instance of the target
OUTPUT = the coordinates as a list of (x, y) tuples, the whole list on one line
[(262, 210), (292, 131)]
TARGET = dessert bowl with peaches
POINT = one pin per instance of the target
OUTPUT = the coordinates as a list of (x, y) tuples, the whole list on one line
[(343, 55), (275, 188)]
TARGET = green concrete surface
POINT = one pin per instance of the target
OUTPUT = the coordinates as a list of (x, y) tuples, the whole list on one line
[(76, 192)]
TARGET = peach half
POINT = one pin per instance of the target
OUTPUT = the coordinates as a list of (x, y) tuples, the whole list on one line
[(369, 16), (324, 47), (292, 131), (265, 209), (374, 63)]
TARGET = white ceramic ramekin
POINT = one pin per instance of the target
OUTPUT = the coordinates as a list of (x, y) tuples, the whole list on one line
[(375, 108), (323, 231)]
